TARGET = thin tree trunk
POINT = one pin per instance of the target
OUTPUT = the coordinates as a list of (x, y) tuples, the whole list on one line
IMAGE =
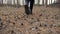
[(23, 2), (38, 2), (54, 1), (18, 3), (43, 2), (46, 3), (51, 1), (14, 2), (2, 2)]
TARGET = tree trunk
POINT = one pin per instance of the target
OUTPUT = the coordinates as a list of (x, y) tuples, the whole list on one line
[(2, 2), (46, 3), (51, 1), (18, 3), (43, 2), (14, 2), (38, 2)]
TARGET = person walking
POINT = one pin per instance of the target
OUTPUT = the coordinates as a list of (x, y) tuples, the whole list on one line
[(29, 6)]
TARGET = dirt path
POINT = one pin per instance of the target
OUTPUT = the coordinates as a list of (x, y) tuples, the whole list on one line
[(43, 21)]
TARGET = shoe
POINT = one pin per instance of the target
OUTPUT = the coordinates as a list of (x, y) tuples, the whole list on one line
[(30, 11)]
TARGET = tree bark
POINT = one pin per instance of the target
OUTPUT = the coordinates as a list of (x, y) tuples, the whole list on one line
[(43, 2), (2, 2), (51, 1), (46, 3), (18, 3), (14, 2)]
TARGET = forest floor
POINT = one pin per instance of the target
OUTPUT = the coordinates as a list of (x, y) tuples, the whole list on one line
[(44, 20)]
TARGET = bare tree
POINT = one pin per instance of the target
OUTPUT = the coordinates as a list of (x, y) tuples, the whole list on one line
[(54, 1), (38, 2), (51, 1), (18, 3), (46, 3), (14, 2), (2, 2), (43, 2)]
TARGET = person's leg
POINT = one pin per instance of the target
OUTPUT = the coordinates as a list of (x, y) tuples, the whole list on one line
[(31, 5), (26, 6)]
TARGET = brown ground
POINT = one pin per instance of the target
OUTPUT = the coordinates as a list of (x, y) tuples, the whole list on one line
[(43, 21)]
